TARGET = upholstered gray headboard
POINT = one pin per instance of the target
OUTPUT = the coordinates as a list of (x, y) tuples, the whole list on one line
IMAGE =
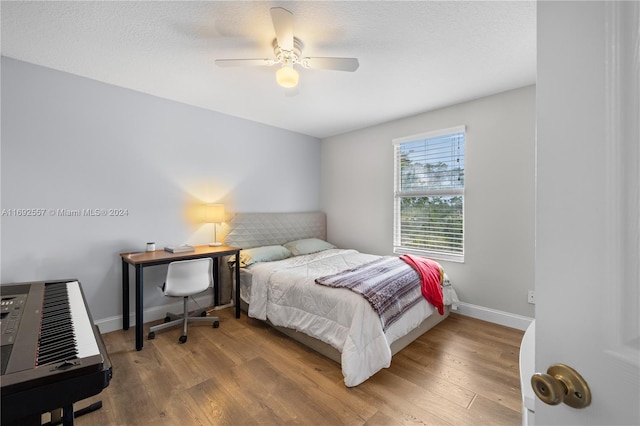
[(248, 230)]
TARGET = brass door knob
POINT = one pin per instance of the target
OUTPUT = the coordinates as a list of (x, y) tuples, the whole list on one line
[(561, 383)]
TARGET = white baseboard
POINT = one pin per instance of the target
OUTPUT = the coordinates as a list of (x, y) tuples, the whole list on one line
[(151, 314), (474, 311), (491, 315)]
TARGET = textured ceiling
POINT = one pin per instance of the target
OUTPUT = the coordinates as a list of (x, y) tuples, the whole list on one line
[(414, 56)]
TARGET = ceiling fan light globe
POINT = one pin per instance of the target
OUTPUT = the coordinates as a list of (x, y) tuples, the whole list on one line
[(287, 77)]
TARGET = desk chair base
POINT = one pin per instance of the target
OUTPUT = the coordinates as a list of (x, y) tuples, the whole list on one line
[(172, 320)]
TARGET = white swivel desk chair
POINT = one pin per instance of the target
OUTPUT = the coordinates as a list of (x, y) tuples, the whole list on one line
[(186, 278)]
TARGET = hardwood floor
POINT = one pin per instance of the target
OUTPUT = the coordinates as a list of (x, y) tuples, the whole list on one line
[(462, 372)]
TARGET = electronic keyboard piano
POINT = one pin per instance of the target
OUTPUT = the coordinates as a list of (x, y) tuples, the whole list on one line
[(52, 353)]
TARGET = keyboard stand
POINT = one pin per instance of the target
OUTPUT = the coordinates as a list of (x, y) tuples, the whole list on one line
[(60, 416)]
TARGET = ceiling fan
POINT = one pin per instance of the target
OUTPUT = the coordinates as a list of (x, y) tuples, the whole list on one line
[(288, 52)]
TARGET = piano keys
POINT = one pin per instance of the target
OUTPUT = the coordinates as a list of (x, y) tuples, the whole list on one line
[(52, 353), (65, 328)]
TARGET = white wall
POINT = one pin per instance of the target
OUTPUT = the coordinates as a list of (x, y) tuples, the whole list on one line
[(74, 143), (357, 194)]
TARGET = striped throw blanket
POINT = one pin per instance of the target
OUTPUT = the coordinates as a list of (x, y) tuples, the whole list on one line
[(389, 284)]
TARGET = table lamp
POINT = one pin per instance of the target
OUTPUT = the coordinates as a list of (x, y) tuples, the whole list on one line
[(214, 213)]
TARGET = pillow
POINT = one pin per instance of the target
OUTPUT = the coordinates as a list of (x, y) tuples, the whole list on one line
[(261, 254), (308, 245)]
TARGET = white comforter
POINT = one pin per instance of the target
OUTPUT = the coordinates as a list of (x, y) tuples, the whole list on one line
[(285, 293)]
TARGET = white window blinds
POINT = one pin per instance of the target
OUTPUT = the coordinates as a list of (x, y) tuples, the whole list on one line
[(429, 194)]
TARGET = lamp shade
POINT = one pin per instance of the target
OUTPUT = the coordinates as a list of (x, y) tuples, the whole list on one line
[(287, 77), (213, 213)]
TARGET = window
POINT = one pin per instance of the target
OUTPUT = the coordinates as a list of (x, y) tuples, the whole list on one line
[(429, 194)]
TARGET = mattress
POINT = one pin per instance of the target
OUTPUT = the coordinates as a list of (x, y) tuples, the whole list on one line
[(284, 293)]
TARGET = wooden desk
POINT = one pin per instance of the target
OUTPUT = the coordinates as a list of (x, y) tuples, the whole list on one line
[(143, 259)]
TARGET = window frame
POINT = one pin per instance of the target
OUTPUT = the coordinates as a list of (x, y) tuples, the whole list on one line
[(398, 195)]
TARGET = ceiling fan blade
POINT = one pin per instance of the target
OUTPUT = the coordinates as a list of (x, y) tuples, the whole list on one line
[(283, 26), (337, 64), (243, 62)]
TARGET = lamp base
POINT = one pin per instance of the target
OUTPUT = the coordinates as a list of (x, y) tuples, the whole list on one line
[(215, 244)]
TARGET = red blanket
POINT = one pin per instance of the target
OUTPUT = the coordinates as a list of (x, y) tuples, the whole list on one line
[(431, 275)]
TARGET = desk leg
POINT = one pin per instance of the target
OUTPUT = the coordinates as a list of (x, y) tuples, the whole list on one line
[(125, 295), (216, 281), (139, 320), (238, 286)]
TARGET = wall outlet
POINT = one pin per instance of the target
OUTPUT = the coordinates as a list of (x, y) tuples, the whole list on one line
[(531, 297)]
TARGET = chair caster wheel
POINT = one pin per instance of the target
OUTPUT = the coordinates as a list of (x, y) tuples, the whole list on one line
[(183, 339), (151, 335), (216, 324), (203, 314), (167, 319)]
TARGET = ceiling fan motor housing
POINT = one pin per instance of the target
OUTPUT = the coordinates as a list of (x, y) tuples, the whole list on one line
[(289, 57)]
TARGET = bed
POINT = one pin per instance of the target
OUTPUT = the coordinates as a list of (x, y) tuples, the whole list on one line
[(283, 256)]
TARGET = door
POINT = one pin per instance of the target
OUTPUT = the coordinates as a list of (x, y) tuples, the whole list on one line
[(587, 206)]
